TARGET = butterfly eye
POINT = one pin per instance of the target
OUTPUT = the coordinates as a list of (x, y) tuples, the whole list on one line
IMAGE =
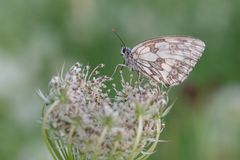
[(124, 50)]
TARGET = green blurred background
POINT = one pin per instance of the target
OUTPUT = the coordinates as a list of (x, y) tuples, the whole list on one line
[(38, 36)]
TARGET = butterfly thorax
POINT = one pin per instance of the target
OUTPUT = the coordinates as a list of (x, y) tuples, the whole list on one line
[(128, 57)]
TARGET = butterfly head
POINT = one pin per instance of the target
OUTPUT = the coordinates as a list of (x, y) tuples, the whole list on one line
[(125, 51)]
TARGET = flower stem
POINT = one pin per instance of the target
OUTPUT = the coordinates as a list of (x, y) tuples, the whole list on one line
[(100, 140), (139, 133), (153, 146), (69, 144), (51, 147), (114, 150)]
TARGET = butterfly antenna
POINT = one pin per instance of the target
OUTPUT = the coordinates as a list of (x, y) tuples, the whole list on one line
[(115, 32)]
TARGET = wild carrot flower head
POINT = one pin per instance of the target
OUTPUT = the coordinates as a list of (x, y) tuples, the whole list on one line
[(82, 121)]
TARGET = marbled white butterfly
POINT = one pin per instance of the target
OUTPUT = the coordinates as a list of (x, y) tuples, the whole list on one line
[(167, 60)]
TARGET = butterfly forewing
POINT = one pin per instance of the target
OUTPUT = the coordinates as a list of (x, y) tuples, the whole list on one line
[(167, 60)]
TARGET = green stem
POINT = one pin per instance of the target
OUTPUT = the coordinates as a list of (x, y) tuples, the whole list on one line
[(113, 151), (139, 133), (51, 147), (154, 145), (69, 143), (100, 140)]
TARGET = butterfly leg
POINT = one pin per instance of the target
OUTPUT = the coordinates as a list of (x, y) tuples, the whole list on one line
[(116, 68)]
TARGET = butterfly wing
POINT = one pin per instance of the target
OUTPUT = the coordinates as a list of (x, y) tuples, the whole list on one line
[(168, 60)]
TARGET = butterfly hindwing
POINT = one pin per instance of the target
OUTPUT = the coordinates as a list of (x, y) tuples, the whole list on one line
[(168, 60)]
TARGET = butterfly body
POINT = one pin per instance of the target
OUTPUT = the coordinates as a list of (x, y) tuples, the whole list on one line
[(128, 58), (167, 60)]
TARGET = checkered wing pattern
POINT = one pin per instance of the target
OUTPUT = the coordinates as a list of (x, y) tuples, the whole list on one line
[(168, 60)]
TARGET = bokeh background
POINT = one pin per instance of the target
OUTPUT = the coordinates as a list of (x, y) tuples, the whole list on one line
[(38, 36)]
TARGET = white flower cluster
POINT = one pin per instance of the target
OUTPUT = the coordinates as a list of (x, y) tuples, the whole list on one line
[(81, 120)]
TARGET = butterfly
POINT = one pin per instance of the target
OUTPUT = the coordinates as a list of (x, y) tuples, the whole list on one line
[(167, 60)]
